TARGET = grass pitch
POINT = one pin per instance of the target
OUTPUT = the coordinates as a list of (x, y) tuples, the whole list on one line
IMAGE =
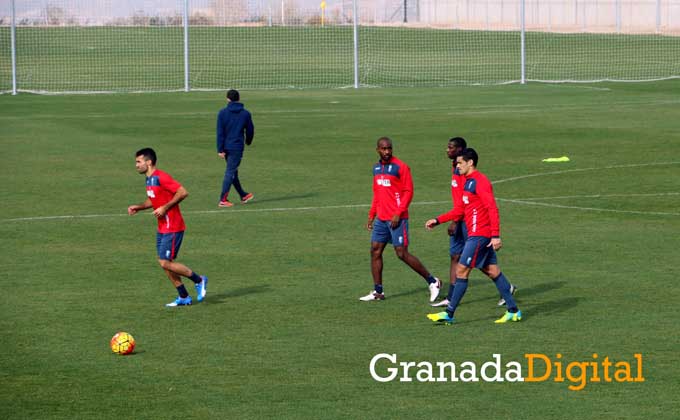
[(590, 243)]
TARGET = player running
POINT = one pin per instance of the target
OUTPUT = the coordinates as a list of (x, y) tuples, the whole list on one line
[(164, 195)]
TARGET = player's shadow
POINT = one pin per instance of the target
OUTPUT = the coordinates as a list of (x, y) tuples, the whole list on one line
[(231, 294), (523, 293), (282, 198), (552, 306), (540, 288), (422, 290)]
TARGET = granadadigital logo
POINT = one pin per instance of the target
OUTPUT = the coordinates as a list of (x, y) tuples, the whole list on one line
[(539, 368)]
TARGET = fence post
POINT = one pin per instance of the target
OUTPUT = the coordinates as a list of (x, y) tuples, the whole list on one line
[(522, 41), (14, 50), (186, 45), (355, 25), (658, 16)]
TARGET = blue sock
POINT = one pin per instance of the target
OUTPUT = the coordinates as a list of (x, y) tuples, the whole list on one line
[(195, 277), (430, 279), (378, 288), (449, 295), (182, 291), (503, 287), (458, 292)]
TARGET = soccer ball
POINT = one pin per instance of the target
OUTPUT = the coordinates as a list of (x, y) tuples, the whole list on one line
[(122, 343)]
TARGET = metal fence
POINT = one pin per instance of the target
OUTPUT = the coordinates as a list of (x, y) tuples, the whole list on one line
[(163, 45)]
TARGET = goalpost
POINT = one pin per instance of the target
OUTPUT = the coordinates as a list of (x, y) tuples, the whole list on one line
[(56, 46)]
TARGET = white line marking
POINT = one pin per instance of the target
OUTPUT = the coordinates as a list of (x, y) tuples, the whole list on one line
[(560, 197), (533, 203), (420, 203), (632, 165)]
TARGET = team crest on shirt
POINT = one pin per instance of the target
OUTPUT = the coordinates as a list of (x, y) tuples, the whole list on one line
[(150, 193), (454, 184)]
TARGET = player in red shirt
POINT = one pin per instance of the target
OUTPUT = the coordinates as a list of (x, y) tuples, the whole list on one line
[(392, 194), (457, 230), (164, 195), (483, 223)]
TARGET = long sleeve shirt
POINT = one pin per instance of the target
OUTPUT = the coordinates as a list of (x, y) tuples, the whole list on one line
[(392, 190)]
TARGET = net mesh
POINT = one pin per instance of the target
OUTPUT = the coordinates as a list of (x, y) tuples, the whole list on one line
[(132, 45)]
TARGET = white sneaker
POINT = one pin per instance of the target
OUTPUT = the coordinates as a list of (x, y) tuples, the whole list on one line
[(441, 303), (513, 289), (434, 289), (373, 296)]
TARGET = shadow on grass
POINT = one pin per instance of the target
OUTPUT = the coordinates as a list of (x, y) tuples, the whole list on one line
[(243, 291), (539, 288), (553, 306), (523, 294), (422, 290), (280, 198)]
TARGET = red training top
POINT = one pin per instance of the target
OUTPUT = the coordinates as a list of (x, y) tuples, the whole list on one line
[(457, 184), (479, 207), (161, 188), (392, 190)]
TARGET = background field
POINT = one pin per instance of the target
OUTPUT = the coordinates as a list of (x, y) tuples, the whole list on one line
[(127, 59), (591, 243)]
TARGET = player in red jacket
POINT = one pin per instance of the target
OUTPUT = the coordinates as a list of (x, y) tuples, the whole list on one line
[(481, 217), (164, 194), (457, 230), (392, 194)]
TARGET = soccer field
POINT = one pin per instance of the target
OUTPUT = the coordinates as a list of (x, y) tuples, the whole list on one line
[(591, 243)]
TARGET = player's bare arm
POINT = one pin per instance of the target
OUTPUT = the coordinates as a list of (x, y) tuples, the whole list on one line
[(133, 209), (180, 195)]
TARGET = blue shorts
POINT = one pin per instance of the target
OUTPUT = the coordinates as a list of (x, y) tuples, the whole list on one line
[(457, 241), (476, 253), (383, 232), (167, 245)]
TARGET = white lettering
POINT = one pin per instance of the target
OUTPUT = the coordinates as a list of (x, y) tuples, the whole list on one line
[(393, 372), (516, 369), (406, 366), (442, 371), (468, 372), (425, 373), (495, 365)]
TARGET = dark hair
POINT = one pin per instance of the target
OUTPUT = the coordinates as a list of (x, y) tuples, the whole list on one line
[(384, 138), (469, 154), (148, 154), (233, 95), (458, 142)]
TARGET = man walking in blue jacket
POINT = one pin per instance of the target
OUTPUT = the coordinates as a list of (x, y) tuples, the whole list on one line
[(234, 128)]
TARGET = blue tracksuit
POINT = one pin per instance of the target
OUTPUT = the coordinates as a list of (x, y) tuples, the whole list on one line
[(234, 126)]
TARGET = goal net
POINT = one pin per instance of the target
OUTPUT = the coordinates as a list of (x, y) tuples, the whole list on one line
[(128, 45)]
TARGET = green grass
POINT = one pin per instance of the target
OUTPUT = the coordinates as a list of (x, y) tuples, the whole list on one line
[(282, 334), (151, 58)]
